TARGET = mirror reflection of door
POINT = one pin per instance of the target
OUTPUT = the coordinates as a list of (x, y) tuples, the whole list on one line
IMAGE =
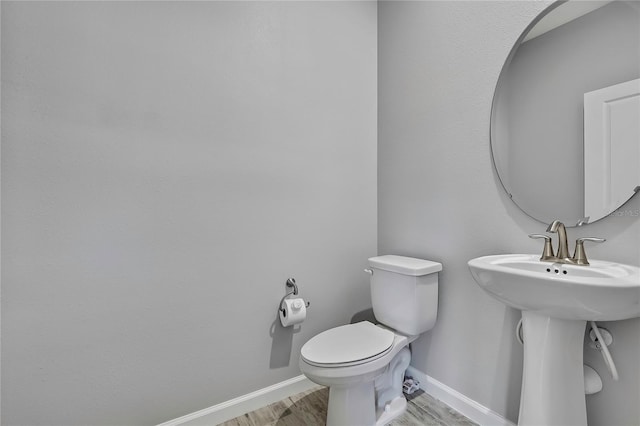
[(611, 137)]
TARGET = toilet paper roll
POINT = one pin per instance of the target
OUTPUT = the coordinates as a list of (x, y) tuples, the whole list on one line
[(295, 311)]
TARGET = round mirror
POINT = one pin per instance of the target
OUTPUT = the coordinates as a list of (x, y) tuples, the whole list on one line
[(565, 121)]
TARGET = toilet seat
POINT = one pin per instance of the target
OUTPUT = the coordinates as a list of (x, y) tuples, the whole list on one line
[(348, 345)]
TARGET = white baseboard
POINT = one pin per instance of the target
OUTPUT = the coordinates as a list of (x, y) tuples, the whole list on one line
[(238, 406), (469, 408)]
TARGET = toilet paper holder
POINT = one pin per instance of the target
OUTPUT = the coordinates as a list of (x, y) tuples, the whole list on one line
[(291, 282)]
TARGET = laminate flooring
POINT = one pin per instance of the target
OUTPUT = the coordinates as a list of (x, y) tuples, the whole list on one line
[(310, 409)]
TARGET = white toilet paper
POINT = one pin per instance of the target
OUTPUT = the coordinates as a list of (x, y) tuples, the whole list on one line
[(295, 311)]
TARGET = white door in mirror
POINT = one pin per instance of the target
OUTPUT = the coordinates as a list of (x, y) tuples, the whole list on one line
[(611, 136)]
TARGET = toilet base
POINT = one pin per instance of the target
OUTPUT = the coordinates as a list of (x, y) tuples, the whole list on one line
[(351, 405), (373, 400)]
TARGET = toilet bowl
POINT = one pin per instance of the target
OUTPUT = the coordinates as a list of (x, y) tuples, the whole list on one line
[(359, 370), (363, 364)]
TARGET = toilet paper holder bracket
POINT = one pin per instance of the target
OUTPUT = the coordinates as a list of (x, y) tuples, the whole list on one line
[(291, 283)]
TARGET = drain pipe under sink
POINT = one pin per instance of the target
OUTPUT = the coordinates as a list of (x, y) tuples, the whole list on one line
[(601, 345)]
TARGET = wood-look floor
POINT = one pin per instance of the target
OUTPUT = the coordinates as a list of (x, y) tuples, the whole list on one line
[(310, 409)]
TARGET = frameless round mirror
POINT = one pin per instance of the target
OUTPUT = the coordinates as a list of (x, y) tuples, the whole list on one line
[(565, 121)]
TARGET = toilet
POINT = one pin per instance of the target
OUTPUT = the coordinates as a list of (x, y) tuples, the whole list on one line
[(363, 364)]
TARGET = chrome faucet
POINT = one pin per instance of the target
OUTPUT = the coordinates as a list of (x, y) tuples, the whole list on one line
[(579, 255), (563, 245)]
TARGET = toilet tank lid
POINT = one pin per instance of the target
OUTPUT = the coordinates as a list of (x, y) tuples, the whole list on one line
[(405, 265)]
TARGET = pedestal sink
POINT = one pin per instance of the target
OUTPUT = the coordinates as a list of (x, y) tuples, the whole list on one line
[(556, 302)]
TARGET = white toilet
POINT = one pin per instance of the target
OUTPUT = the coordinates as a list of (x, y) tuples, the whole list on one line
[(364, 364)]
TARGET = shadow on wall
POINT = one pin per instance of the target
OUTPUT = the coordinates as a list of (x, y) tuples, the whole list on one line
[(508, 366), (366, 315), (281, 343)]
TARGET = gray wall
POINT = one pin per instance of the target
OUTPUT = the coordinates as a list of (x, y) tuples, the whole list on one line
[(165, 167), (544, 106), (439, 198)]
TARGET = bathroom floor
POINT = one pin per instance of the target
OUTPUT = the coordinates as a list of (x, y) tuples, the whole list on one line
[(310, 409)]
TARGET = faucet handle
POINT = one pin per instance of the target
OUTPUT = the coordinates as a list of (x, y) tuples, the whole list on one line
[(547, 251), (592, 239), (537, 236), (580, 256)]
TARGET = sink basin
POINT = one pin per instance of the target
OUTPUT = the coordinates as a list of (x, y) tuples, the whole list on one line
[(556, 301), (604, 291)]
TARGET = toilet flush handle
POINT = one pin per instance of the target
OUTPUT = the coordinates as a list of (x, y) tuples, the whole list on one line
[(369, 271)]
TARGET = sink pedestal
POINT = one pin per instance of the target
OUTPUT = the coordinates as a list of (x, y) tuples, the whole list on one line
[(556, 301), (552, 377)]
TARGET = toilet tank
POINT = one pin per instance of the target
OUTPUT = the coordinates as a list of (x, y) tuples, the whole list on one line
[(404, 292)]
